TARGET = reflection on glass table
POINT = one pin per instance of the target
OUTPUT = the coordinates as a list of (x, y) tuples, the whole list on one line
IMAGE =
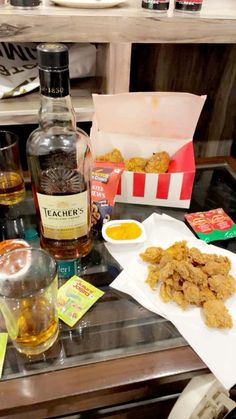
[(117, 326)]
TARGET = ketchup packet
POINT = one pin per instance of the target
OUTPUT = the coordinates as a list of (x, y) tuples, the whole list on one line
[(105, 181), (212, 225)]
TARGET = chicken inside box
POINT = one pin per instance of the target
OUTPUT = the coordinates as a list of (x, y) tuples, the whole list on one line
[(141, 124)]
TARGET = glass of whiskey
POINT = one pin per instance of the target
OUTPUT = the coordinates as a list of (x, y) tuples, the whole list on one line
[(28, 298), (12, 188)]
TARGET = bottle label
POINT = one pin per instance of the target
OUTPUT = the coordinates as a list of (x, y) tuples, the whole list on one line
[(194, 5), (68, 268), (190, 3), (161, 5), (64, 217), (54, 83)]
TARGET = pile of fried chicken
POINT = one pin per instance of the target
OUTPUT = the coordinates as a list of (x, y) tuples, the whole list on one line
[(188, 276), (157, 163)]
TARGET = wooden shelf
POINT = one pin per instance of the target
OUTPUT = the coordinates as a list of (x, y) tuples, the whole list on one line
[(129, 23), (24, 109)]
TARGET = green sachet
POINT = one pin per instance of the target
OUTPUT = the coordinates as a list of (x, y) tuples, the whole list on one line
[(76, 297), (3, 346)]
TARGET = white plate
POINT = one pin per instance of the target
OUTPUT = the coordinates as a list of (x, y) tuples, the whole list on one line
[(88, 4), (139, 239)]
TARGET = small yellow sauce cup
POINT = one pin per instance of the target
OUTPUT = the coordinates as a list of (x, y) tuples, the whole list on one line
[(123, 231)]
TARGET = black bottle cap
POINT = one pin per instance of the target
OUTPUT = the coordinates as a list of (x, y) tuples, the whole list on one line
[(24, 3), (52, 56)]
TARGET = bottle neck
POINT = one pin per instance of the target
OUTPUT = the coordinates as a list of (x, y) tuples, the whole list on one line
[(56, 109)]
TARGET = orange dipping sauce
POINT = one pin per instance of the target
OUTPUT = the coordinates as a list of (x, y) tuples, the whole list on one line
[(124, 231)]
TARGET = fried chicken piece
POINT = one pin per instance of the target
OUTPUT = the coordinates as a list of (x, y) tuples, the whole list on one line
[(152, 277), (177, 281), (170, 281), (179, 298), (166, 272), (165, 258), (190, 273), (196, 275), (224, 260), (135, 164), (218, 266), (223, 286), (152, 254), (216, 314), (191, 293), (178, 250), (165, 293), (158, 163), (181, 268), (114, 156), (196, 257), (173, 280), (211, 261), (206, 294)]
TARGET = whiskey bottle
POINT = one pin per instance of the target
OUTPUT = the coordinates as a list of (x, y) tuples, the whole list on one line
[(59, 160)]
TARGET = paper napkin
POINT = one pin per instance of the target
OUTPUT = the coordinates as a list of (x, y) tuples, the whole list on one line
[(216, 347)]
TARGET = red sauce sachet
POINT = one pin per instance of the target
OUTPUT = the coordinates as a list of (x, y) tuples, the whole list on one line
[(212, 225)]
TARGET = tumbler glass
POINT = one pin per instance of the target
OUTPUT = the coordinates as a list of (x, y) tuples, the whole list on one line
[(12, 189), (28, 298)]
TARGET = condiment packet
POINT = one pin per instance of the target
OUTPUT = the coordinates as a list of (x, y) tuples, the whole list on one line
[(3, 347), (105, 181), (212, 225), (75, 297)]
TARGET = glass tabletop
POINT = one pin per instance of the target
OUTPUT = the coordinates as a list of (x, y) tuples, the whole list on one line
[(117, 326)]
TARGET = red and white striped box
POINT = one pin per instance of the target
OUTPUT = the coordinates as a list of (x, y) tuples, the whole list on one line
[(139, 124), (172, 189)]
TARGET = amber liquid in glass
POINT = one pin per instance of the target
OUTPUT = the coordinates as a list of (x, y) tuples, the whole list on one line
[(12, 189), (37, 326)]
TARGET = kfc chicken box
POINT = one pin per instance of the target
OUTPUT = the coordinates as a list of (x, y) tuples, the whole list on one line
[(151, 133)]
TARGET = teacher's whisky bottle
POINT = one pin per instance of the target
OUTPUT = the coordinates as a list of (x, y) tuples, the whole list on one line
[(59, 159)]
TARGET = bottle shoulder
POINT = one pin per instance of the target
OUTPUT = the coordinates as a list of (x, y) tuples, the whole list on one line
[(43, 141)]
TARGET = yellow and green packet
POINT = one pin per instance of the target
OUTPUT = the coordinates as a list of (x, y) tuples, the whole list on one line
[(76, 297), (3, 347)]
